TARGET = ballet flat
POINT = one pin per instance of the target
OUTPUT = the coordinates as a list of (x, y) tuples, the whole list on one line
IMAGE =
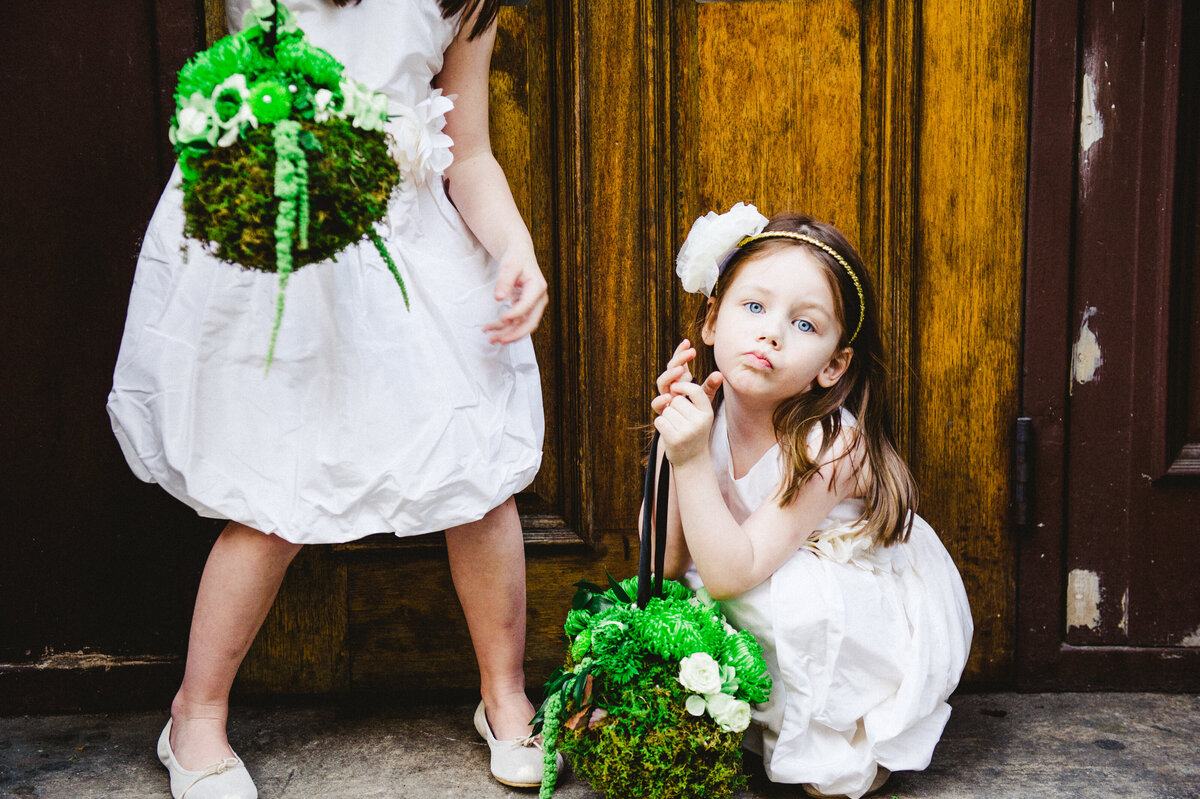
[(517, 763), (227, 779)]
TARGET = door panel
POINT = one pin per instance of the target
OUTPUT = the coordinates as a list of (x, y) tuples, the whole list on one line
[(617, 125), (1112, 331), (904, 124)]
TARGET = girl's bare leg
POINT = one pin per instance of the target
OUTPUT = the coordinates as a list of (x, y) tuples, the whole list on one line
[(487, 563), (241, 577)]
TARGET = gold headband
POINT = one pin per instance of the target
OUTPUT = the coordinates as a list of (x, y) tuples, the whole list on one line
[(787, 234)]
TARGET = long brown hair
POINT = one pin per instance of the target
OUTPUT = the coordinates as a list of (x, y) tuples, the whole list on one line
[(488, 9), (890, 494)]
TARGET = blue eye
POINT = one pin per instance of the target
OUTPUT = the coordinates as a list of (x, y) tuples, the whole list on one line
[(804, 326), (754, 307)]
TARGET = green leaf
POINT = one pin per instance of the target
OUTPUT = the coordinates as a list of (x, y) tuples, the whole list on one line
[(309, 142), (616, 588)]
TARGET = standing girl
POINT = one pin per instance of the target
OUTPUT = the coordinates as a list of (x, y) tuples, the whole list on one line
[(790, 503), (373, 418)]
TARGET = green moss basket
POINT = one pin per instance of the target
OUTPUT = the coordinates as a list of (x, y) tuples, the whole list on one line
[(652, 702), (661, 753), (231, 204)]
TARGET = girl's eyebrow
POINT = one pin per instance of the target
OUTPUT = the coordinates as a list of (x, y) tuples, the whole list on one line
[(756, 288)]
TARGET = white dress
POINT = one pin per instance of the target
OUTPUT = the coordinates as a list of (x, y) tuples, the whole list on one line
[(372, 418), (864, 644)]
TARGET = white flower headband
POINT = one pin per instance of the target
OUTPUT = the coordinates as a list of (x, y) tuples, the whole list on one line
[(714, 238)]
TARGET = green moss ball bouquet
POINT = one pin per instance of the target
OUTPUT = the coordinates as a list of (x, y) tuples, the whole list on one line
[(285, 161), (652, 701)]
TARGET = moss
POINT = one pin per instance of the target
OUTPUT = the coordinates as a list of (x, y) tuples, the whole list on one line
[(231, 203), (651, 748)]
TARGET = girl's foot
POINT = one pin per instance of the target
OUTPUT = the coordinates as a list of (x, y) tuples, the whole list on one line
[(197, 737), (518, 762), (509, 715), (225, 778)]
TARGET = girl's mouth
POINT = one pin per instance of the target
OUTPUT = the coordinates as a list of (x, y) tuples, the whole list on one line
[(758, 361)]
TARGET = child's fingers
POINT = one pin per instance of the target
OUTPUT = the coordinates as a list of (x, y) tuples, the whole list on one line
[(671, 375), (712, 383), (682, 354), (697, 394)]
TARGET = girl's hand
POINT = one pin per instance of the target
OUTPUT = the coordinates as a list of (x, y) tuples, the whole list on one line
[(685, 422), (677, 371), (521, 281)]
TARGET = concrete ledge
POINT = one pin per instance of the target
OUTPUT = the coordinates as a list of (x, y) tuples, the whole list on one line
[(1031, 746)]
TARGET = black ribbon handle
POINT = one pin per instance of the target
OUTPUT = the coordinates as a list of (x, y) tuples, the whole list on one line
[(654, 506)]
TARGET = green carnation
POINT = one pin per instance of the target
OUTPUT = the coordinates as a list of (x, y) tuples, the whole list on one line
[(270, 101)]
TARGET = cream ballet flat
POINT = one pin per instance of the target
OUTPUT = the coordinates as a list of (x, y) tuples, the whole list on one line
[(517, 763), (227, 779)]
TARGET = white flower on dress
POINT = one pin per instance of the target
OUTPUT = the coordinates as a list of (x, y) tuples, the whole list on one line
[(844, 543), (731, 715), (419, 145), (712, 239), (700, 673)]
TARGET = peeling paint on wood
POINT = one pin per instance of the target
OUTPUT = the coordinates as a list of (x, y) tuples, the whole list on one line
[(1083, 599), (1091, 124), (91, 660), (1086, 357)]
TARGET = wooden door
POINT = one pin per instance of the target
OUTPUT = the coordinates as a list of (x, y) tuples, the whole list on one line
[(904, 124), (618, 124), (1113, 350)]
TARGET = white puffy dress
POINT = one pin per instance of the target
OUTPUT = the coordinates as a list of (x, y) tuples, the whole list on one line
[(372, 418), (864, 644)]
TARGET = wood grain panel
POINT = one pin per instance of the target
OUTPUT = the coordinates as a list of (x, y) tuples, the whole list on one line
[(973, 111), (408, 633), (522, 140), (887, 243), (620, 228), (301, 648), (780, 108)]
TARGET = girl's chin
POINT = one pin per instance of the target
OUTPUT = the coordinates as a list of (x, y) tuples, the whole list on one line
[(757, 387)]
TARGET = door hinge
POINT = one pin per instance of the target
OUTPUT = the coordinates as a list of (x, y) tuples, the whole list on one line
[(1023, 472)]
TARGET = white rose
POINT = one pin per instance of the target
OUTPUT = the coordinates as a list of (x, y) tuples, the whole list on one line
[(700, 673), (711, 240), (321, 101), (192, 124), (731, 715), (695, 705)]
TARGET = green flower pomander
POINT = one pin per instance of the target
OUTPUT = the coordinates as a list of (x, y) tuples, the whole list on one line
[(652, 702), (284, 159)]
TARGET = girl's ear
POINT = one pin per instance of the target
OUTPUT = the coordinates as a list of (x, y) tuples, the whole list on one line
[(836, 367), (708, 332)]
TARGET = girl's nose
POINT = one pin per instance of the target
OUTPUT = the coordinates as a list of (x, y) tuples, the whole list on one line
[(770, 338)]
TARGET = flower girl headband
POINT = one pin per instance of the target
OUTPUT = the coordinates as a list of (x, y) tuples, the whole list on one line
[(714, 238)]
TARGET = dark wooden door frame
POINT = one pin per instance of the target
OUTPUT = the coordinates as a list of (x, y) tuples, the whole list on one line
[(1044, 660)]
